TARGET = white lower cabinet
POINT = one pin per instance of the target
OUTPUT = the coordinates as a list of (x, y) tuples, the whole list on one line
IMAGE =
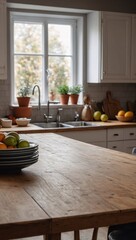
[(130, 133), (116, 145), (115, 139), (120, 139), (130, 139), (129, 145), (96, 137)]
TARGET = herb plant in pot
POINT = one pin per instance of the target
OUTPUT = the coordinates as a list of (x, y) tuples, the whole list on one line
[(23, 97), (74, 93), (63, 91)]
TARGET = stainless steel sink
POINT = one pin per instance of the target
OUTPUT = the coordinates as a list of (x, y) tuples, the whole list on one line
[(70, 124), (52, 125), (82, 124)]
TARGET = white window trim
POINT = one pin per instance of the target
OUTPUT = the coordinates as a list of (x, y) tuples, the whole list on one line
[(78, 73)]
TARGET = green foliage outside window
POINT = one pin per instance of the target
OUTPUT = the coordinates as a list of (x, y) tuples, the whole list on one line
[(29, 59)]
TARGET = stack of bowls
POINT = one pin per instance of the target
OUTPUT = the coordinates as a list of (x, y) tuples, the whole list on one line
[(18, 158)]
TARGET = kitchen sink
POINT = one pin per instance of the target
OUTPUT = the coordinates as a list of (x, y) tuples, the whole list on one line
[(82, 124), (52, 125), (70, 124)]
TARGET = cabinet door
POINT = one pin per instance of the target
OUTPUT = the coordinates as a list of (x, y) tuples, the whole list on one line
[(115, 134), (3, 40), (130, 133), (116, 47), (92, 137), (116, 145), (129, 145), (133, 66)]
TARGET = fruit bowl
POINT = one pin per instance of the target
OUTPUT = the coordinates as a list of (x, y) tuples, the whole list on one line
[(124, 119), (18, 158), (22, 122)]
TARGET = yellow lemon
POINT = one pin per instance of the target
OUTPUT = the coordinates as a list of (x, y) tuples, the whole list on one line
[(104, 117), (97, 115)]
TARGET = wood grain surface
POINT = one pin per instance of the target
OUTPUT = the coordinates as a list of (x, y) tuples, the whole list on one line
[(73, 186)]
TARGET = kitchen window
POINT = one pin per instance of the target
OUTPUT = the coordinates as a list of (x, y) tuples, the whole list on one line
[(44, 51)]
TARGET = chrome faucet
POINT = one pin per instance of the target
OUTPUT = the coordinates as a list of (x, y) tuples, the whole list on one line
[(48, 116), (76, 116), (39, 103), (58, 115)]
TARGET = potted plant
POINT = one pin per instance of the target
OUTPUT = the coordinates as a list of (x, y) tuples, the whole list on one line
[(74, 93), (63, 90), (23, 97)]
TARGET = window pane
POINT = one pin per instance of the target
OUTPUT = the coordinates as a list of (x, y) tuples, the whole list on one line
[(28, 71), (59, 37), (27, 38), (59, 73), (43, 53)]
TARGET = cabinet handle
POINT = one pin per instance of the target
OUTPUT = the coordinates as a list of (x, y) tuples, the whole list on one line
[(114, 147), (115, 134), (131, 134)]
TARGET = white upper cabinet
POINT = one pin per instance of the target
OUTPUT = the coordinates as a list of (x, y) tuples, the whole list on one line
[(116, 47), (3, 40), (111, 40)]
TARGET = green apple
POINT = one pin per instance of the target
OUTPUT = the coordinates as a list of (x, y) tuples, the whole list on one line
[(15, 134), (97, 115), (104, 117), (10, 140), (23, 143)]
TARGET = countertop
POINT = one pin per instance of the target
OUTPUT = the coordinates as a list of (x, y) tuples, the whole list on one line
[(73, 186), (31, 128)]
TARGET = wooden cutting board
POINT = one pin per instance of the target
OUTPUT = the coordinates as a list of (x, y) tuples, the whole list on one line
[(111, 106)]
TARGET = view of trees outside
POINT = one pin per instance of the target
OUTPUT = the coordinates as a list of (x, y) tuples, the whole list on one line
[(60, 57), (29, 57)]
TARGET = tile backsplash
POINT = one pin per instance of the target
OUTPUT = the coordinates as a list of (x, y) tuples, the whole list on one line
[(122, 92)]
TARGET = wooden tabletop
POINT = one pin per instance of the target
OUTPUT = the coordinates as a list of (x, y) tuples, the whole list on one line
[(73, 186)]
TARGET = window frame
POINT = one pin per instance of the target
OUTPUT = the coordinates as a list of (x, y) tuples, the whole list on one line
[(46, 19)]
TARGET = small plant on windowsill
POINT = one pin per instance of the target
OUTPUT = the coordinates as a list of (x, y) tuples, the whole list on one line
[(23, 97), (63, 91), (74, 93)]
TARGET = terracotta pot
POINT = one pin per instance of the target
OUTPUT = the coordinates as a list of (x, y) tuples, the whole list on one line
[(64, 98), (52, 96), (23, 101), (74, 98), (20, 112)]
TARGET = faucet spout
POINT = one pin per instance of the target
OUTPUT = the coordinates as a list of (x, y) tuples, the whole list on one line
[(58, 115), (76, 116), (48, 116), (39, 94)]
